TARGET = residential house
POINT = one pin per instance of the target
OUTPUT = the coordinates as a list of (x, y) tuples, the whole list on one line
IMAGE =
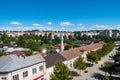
[(57, 47), (14, 67), (71, 55), (92, 47), (50, 62)]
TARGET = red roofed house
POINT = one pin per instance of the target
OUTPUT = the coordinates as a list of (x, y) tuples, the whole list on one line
[(71, 55)]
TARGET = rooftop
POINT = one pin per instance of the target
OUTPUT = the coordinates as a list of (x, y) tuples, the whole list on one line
[(11, 63), (92, 46), (71, 53), (53, 58)]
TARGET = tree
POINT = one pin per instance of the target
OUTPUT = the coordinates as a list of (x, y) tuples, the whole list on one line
[(116, 57), (93, 57), (85, 37), (2, 53), (5, 38), (61, 72), (32, 44), (107, 67), (106, 78), (67, 47), (29, 52), (79, 64)]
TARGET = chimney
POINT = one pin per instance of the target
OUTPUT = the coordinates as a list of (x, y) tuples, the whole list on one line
[(62, 45)]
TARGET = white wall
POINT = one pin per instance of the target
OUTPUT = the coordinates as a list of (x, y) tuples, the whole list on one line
[(29, 69)]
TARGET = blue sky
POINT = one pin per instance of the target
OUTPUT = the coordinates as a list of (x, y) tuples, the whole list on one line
[(59, 14)]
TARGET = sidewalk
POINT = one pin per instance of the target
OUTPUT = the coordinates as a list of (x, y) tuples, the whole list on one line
[(94, 73)]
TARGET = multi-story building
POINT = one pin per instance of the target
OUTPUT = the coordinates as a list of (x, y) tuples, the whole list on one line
[(13, 67), (107, 33), (89, 33)]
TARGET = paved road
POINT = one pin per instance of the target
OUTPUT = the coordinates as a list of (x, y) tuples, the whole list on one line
[(94, 73)]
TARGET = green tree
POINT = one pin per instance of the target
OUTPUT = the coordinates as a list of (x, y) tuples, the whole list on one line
[(116, 57), (106, 78), (67, 47), (29, 52), (2, 53), (5, 38), (107, 67), (93, 57), (79, 64), (85, 37), (61, 72), (32, 44)]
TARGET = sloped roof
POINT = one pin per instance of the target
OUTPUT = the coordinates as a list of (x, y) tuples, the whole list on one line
[(11, 63), (58, 46), (71, 53), (92, 46), (52, 59)]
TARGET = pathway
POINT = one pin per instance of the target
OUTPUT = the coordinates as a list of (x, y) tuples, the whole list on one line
[(94, 73)]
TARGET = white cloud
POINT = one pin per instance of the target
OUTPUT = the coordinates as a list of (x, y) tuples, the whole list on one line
[(37, 25), (25, 28), (117, 27), (80, 24), (49, 23), (15, 23), (66, 24), (100, 27), (81, 27)]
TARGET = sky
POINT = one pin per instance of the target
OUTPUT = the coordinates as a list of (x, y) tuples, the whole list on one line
[(68, 15)]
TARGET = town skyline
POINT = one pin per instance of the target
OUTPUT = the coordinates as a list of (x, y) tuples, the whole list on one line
[(72, 15)]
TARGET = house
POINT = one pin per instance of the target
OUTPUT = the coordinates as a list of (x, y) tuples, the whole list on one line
[(92, 47), (14, 67), (71, 55), (5, 46), (57, 47), (50, 62)]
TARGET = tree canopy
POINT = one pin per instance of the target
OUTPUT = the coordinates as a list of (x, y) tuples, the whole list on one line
[(61, 72), (79, 64), (92, 57)]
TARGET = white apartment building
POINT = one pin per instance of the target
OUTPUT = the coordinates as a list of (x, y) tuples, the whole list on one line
[(13, 67), (89, 33)]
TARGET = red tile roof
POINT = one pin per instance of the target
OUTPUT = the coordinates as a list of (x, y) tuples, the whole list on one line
[(92, 46), (58, 46), (71, 53)]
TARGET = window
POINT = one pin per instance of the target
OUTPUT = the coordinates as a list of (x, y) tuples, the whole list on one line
[(25, 74), (16, 77), (70, 63), (34, 70), (3, 78), (40, 68), (42, 78)]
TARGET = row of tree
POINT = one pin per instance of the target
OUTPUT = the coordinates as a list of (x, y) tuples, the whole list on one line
[(35, 42), (94, 56), (110, 67)]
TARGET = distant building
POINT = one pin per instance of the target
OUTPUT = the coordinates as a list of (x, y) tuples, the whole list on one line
[(13, 67), (89, 33), (107, 33)]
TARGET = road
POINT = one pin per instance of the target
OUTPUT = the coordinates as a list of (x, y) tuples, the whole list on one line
[(94, 73)]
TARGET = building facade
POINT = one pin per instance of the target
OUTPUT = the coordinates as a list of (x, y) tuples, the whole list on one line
[(13, 67)]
